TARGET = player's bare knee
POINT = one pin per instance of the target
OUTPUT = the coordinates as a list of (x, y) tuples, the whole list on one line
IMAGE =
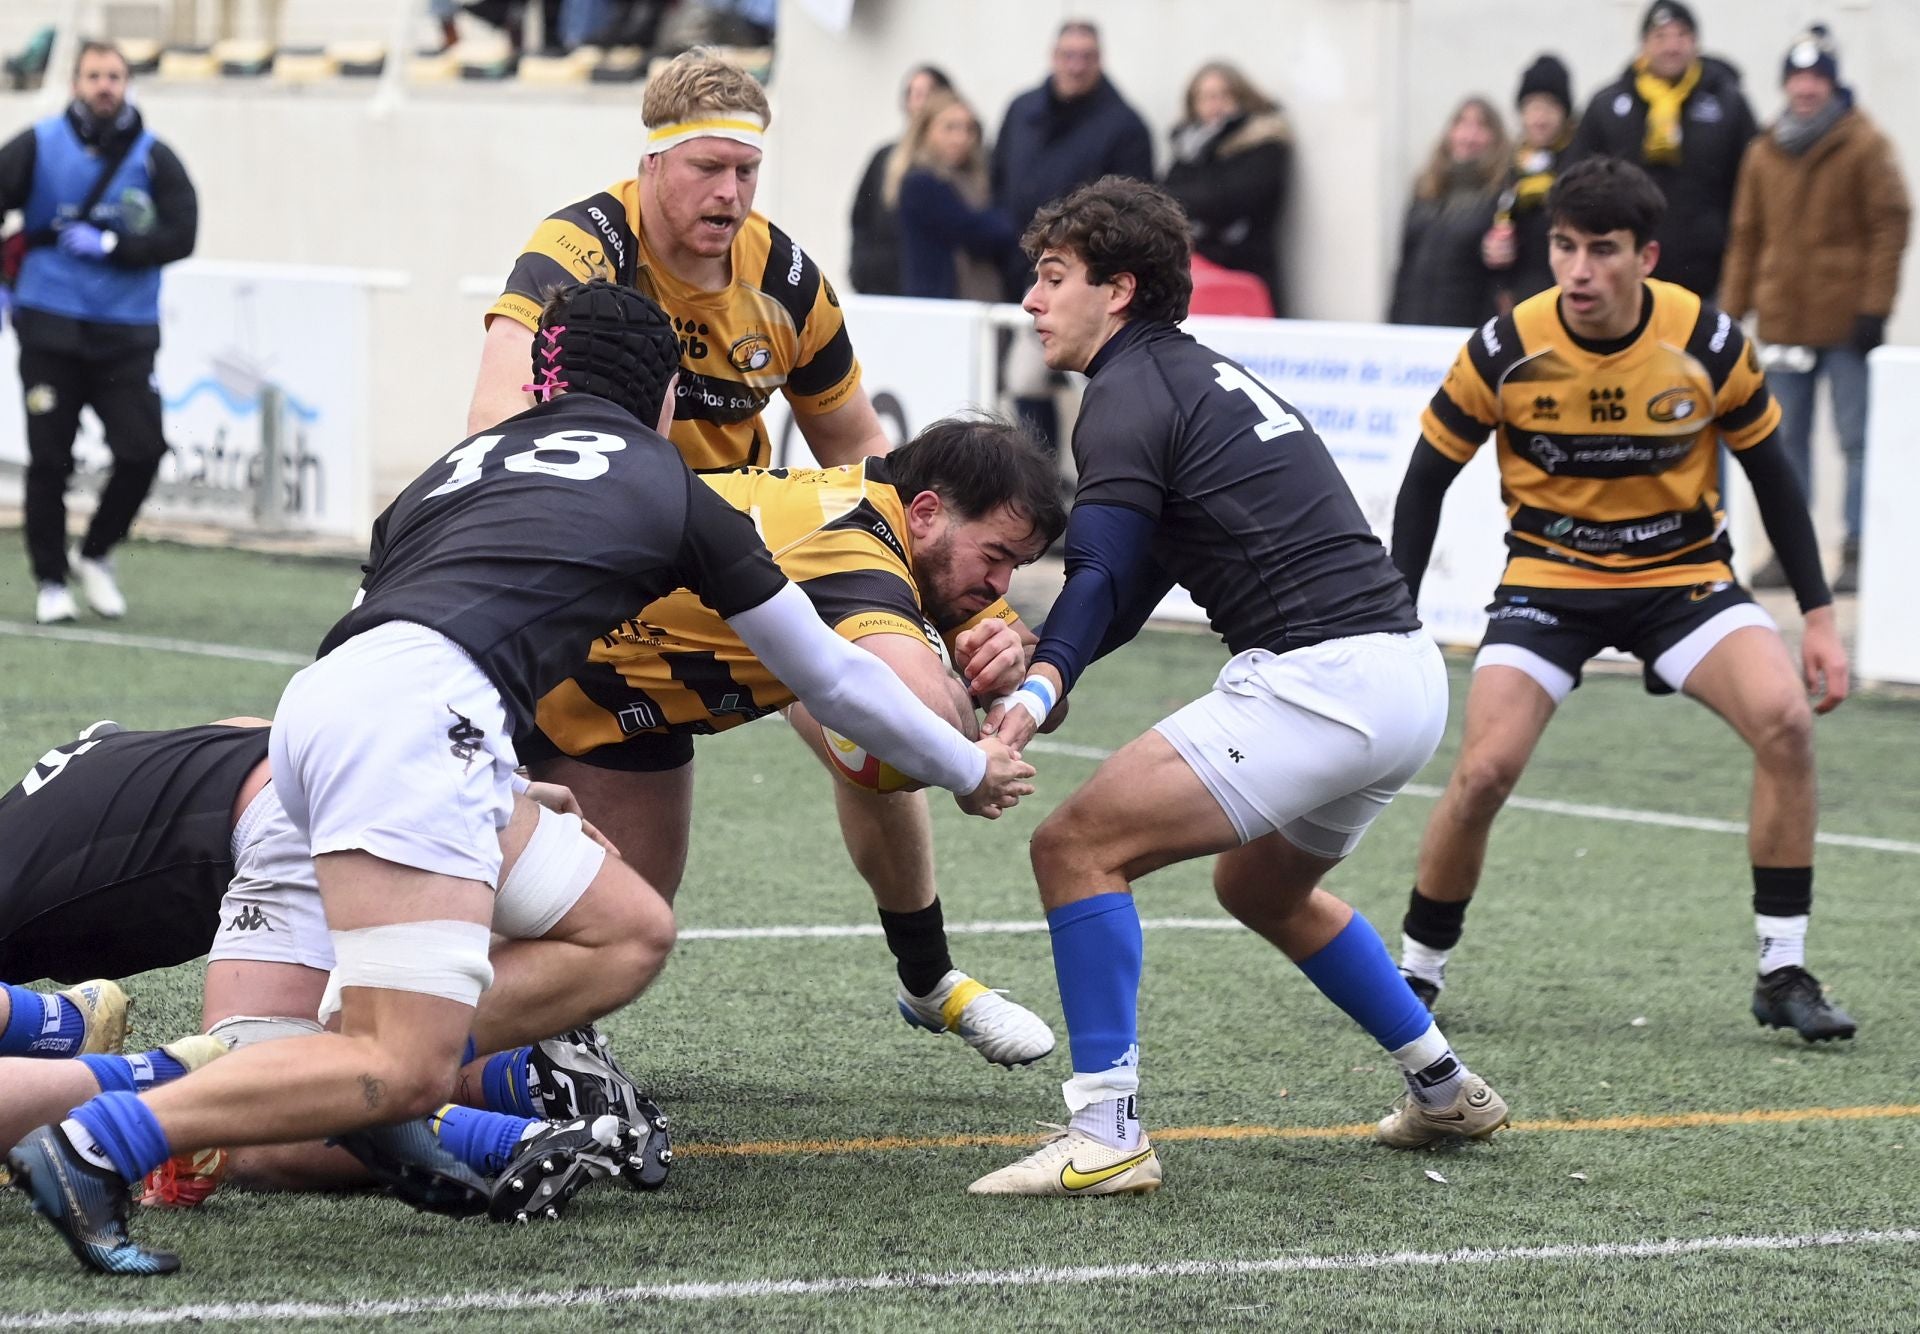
[(1059, 850), (1781, 732), (1482, 783)]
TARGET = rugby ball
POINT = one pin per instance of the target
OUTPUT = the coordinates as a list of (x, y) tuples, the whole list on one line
[(855, 766)]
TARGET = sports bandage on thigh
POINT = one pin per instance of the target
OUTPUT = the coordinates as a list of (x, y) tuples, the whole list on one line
[(443, 958), (243, 1030), (548, 878)]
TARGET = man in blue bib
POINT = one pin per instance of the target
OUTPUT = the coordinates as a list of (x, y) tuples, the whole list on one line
[(104, 204)]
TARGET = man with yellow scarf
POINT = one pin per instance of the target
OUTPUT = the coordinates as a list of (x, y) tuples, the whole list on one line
[(1682, 118)]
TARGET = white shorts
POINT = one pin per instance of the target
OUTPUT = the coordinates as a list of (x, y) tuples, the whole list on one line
[(271, 912), (396, 744), (1315, 743)]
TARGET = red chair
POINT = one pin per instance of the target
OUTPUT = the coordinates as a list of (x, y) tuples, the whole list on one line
[(1218, 291)]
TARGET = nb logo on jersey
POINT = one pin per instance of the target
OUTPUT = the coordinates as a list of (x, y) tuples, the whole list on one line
[(466, 738), (250, 918), (1604, 405), (693, 336)]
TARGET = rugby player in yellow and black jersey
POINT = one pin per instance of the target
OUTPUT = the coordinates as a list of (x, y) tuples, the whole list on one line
[(847, 537), (903, 555), (754, 313), (1610, 395)]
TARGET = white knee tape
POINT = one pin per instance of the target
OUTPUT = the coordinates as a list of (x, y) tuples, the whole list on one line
[(549, 877), (445, 959), (243, 1030)]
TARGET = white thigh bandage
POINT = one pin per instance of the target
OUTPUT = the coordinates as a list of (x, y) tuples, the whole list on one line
[(548, 878), (243, 1030), (445, 959)]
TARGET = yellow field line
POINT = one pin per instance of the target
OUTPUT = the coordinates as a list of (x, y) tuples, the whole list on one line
[(1673, 1121)]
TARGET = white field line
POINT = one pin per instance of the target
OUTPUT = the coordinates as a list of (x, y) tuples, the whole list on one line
[(1035, 926), (114, 639), (1043, 745), (764, 1289)]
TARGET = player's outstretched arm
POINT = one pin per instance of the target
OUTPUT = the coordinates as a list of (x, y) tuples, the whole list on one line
[(1783, 513), (1823, 660), (854, 693)]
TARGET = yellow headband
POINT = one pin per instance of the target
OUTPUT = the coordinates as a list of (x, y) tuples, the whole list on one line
[(743, 127)]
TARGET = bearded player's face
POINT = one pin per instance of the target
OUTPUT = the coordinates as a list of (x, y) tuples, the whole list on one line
[(966, 565)]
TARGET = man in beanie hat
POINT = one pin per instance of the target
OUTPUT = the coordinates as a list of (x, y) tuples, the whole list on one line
[(1516, 244), (1682, 118), (1819, 225)]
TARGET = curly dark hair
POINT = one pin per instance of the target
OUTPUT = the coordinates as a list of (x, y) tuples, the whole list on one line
[(1119, 225), (976, 462), (1606, 194)]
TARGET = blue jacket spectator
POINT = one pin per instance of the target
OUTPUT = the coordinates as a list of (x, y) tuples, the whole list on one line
[(953, 243), (104, 205), (874, 255), (1072, 129)]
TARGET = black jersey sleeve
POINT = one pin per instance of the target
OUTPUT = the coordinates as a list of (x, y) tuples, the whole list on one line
[(722, 557)]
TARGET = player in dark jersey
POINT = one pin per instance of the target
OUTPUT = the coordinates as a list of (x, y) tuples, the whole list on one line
[(1611, 394), (1191, 470), (393, 753), (126, 851)]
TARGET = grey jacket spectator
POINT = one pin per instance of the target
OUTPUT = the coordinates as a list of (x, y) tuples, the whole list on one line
[(1682, 118), (1072, 129), (1232, 162), (1442, 278)]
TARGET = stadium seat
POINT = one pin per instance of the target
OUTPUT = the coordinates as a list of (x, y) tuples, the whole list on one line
[(188, 64), (142, 53), (575, 67), (305, 64), (358, 60), (623, 64), (1218, 291), (240, 58)]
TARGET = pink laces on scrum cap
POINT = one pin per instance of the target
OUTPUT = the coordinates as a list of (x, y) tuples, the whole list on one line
[(550, 383)]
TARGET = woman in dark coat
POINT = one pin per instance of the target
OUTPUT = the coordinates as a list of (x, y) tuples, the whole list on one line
[(1443, 279), (1232, 162), (874, 257), (953, 241)]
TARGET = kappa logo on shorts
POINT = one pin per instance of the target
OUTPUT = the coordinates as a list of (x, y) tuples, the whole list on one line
[(250, 918), (466, 738)]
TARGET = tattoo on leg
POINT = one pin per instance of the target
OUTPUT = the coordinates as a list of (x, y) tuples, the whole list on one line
[(372, 1090)]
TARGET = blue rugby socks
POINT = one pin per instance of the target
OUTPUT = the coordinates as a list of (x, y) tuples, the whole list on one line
[(117, 1131), (484, 1141), (505, 1084), (1355, 972), (133, 1074), (1097, 952), (41, 1024)]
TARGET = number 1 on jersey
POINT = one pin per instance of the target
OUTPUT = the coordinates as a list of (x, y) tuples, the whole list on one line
[(1275, 421), (466, 464)]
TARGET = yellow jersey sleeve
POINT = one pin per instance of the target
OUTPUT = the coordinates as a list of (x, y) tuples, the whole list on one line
[(1464, 409), (1743, 407), (579, 243)]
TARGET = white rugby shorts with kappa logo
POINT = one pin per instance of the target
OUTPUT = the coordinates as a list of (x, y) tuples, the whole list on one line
[(1314, 743), (396, 744)]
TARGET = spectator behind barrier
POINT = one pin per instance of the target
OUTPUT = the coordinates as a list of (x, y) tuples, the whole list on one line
[(953, 241), (1819, 226), (1516, 245), (1442, 278), (1070, 131), (875, 251), (1682, 118), (1232, 162)]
